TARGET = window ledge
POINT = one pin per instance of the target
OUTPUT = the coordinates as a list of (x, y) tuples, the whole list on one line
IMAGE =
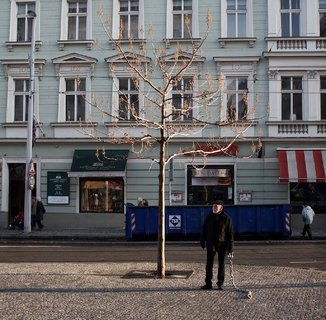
[(19, 124), (242, 123), (132, 124), (63, 43), (12, 44), (251, 41), (140, 42), (169, 41), (70, 124), (185, 123)]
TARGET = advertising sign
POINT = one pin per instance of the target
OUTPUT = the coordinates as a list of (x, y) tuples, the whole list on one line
[(58, 188)]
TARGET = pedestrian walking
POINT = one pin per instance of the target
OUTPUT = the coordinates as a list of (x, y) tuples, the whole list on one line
[(307, 217), (216, 237), (38, 211)]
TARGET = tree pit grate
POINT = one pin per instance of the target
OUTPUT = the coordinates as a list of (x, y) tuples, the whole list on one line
[(151, 274)]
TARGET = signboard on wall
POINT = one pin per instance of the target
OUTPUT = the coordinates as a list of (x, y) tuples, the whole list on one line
[(58, 188)]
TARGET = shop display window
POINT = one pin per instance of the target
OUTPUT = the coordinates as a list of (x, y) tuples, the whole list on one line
[(102, 195), (209, 183), (310, 192)]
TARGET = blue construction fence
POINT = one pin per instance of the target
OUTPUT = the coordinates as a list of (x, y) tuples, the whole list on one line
[(186, 221)]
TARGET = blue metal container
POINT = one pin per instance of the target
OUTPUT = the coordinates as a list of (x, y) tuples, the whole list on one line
[(186, 221)]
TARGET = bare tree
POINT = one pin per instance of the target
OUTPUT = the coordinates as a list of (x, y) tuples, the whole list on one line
[(175, 105)]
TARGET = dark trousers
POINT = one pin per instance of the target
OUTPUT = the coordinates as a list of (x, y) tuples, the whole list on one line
[(307, 229), (221, 253), (36, 220)]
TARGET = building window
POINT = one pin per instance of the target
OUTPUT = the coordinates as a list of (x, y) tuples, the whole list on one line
[(210, 183), (20, 30), (182, 19), (182, 99), (128, 99), (236, 18), (18, 94), (75, 99), (290, 18), (77, 19), (102, 195), (75, 73), (291, 98), (323, 98), (322, 18), (24, 21), (129, 17), (237, 98), (21, 99)]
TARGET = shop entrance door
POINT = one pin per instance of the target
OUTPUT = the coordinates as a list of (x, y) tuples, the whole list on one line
[(16, 189)]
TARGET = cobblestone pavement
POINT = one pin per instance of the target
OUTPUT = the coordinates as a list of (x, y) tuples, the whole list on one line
[(99, 291)]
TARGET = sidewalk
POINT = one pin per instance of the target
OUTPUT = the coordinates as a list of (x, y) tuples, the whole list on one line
[(107, 234), (102, 291)]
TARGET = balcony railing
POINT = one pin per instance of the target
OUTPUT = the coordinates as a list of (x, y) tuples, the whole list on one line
[(297, 129), (300, 44)]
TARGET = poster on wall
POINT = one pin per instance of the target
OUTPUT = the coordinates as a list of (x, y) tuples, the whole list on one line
[(58, 188)]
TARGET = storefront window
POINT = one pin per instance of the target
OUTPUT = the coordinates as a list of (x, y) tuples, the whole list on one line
[(102, 195), (210, 183), (312, 193)]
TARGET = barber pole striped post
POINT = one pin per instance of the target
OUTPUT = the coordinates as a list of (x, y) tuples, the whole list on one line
[(133, 222), (287, 223)]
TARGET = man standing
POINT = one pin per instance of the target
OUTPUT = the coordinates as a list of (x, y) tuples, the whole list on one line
[(37, 213), (307, 217), (217, 237)]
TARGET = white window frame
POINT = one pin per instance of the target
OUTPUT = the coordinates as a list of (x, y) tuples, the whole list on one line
[(20, 72), (75, 93), (321, 11), (116, 20), (115, 109), (81, 67), (64, 21), (13, 19), (62, 97), (195, 20), (77, 15), (129, 92), (237, 92), (249, 20), (241, 68), (322, 92), (183, 92), (292, 91), (290, 12), (25, 95), (275, 95)]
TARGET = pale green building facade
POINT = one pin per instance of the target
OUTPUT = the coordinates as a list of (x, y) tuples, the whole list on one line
[(267, 51)]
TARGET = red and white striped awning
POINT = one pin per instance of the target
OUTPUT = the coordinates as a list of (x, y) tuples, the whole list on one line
[(302, 165)]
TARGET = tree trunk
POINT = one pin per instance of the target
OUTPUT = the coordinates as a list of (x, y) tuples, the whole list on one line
[(161, 201)]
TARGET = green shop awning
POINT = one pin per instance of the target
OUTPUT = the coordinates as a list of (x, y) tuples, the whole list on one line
[(97, 160)]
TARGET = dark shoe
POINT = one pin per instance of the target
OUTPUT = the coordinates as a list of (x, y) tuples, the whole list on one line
[(206, 287), (220, 288)]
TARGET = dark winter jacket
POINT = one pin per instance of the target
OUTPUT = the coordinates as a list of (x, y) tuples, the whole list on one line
[(40, 210), (217, 230)]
